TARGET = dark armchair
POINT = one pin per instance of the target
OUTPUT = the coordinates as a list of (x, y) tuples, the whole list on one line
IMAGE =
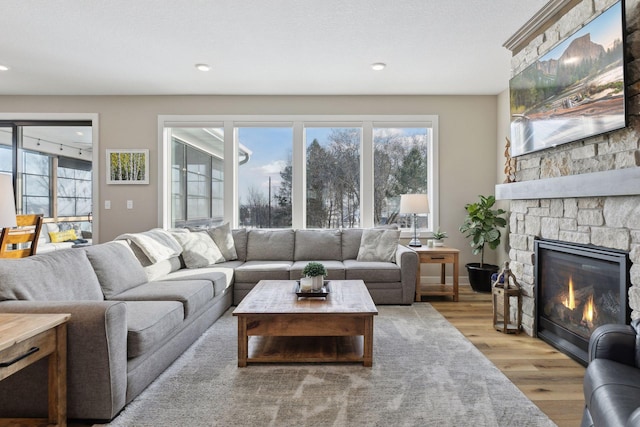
[(612, 379)]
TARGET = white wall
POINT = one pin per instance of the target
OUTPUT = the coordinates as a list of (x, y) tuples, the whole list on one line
[(467, 143), (503, 126)]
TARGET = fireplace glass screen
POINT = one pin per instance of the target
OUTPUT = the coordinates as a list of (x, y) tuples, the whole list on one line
[(579, 289)]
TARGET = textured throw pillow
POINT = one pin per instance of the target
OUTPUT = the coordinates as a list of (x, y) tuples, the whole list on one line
[(63, 236), (198, 249), (378, 245), (223, 238)]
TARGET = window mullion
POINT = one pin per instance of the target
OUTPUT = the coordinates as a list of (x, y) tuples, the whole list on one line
[(299, 184), (366, 175)]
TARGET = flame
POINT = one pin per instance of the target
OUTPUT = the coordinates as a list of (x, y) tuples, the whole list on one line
[(587, 313), (571, 302)]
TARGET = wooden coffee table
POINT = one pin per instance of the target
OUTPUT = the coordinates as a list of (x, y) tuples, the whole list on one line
[(274, 325)]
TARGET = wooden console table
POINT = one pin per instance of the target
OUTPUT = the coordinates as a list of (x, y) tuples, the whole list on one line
[(27, 338), (437, 255)]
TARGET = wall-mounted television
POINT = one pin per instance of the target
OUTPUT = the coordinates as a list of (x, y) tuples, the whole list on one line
[(574, 91)]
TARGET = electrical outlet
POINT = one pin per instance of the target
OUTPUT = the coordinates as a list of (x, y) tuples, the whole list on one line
[(107, 204), (129, 204)]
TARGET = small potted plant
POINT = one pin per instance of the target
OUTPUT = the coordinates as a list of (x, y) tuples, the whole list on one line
[(482, 225), (438, 237), (316, 271)]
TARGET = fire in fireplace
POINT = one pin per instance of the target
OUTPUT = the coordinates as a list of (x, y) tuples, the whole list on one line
[(579, 287)]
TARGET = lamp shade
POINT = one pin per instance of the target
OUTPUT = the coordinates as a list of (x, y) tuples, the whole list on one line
[(414, 204), (7, 202)]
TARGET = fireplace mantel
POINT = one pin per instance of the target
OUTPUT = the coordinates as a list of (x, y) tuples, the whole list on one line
[(619, 182)]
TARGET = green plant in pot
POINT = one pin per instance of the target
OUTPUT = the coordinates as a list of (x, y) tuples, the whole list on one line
[(438, 237), (316, 271), (482, 225)]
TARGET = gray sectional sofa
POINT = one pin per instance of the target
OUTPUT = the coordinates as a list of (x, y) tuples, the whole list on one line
[(136, 306)]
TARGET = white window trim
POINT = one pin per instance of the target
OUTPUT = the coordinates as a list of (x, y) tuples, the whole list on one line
[(298, 123)]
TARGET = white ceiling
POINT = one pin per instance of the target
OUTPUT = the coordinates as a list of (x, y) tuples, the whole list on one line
[(256, 47)]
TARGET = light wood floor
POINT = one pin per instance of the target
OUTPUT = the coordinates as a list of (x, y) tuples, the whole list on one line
[(549, 378)]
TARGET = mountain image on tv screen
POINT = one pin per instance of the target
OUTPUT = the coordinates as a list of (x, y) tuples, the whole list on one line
[(574, 91)]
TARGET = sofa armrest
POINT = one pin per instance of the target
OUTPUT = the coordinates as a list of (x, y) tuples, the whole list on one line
[(614, 342), (407, 259), (96, 360)]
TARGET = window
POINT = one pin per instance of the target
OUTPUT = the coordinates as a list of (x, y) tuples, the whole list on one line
[(36, 193), (197, 174), (333, 177), (309, 171), (74, 187), (400, 166), (265, 180), (6, 150)]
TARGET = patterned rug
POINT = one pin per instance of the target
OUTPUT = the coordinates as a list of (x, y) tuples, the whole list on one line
[(425, 373)]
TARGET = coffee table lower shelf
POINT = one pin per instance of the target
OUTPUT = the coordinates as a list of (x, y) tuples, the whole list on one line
[(266, 349)]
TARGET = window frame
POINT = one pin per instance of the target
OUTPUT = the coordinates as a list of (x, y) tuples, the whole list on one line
[(298, 123)]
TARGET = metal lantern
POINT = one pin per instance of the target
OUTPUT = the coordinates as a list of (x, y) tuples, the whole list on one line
[(504, 288)]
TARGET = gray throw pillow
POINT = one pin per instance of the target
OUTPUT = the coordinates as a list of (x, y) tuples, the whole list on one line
[(378, 245), (116, 266), (64, 275), (198, 249), (223, 238)]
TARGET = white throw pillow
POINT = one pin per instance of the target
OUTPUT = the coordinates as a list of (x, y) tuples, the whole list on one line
[(198, 249), (224, 240), (378, 245)]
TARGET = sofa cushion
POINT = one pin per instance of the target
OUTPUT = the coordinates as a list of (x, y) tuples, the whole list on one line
[(351, 242), (221, 275), (378, 245), (335, 269), (64, 275), (318, 244), (270, 245), (193, 294), (612, 391), (149, 323), (240, 243), (116, 266), (198, 249), (372, 271), (254, 271), (223, 238)]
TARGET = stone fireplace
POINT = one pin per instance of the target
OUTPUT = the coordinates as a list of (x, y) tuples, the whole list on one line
[(586, 192)]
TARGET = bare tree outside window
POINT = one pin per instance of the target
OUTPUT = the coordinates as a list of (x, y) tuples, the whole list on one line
[(333, 177), (400, 167)]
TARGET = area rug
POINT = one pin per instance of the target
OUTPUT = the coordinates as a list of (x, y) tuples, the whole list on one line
[(425, 373)]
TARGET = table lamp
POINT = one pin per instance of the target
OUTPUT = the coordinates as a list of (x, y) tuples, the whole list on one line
[(414, 204), (7, 202)]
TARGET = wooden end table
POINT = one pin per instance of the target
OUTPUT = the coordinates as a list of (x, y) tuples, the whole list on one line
[(437, 255), (27, 338), (274, 325)]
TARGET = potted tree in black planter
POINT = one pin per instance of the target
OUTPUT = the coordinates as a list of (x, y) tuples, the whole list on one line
[(481, 225)]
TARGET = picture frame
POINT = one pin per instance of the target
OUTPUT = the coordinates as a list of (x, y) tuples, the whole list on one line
[(127, 166)]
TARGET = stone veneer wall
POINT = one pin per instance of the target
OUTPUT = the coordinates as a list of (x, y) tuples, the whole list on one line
[(612, 222)]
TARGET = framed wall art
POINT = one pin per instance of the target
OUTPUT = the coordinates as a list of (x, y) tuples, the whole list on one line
[(127, 166)]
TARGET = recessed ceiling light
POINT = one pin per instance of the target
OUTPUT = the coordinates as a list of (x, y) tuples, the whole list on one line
[(4, 68), (378, 66), (203, 67)]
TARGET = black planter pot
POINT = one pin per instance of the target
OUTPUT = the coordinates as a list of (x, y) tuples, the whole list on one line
[(480, 277)]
